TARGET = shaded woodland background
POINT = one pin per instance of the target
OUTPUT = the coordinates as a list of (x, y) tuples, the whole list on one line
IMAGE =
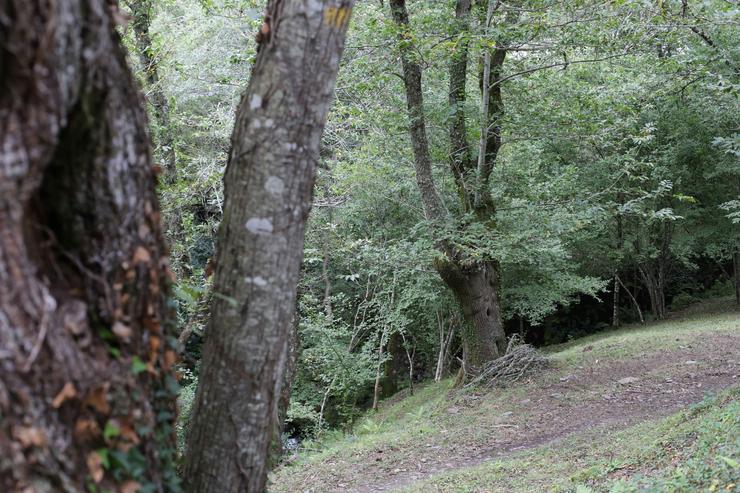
[(619, 167)]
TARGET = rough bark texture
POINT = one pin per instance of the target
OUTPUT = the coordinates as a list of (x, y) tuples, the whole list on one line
[(474, 285), (268, 194), (474, 289), (461, 163), (433, 207), (83, 269)]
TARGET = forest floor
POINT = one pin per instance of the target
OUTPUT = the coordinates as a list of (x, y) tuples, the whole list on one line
[(613, 409)]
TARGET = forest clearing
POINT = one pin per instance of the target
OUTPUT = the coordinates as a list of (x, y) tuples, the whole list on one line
[(651, 407), (379, 245)]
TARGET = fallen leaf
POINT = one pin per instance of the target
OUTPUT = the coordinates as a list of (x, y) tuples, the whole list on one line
[(122, 331), (141, 255), (95, 466), (29, 435), (67, 392), (154, 343), (86, 430), (128, 433), (98, 400), (170, 358), (130, 486)]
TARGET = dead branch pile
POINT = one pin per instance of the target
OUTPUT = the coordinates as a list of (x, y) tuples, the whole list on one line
[(519, 360)]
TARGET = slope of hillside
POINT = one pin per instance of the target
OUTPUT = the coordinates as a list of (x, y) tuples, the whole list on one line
[(654, 408)]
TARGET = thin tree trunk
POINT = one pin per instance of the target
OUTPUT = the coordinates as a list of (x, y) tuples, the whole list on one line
[(84, 321), (615, 301), (444, 346), (634, 301), (410, 357), (325, 262), (650, 279), (486, 98), (268, 195), (378, 374), (474, 287), (141, 11), (324, 400)]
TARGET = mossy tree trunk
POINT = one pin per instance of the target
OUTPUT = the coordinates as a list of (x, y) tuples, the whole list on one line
[(474, 283), (86, 386)]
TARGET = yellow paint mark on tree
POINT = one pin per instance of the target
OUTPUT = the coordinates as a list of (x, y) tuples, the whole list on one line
[(336, 16)]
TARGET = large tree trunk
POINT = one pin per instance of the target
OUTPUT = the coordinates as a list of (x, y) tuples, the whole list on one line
[(475, 291), (83, 269), (268, 195), (475, 286)]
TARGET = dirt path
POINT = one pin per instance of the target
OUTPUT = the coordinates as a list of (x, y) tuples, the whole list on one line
[(556, 407)]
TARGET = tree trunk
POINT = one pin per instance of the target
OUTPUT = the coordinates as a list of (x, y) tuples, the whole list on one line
[(84, 343), (461, 164), (378, 373), (652, 281), (475, 286), (141, 11), (483, 332), (615, 301), (445, 341), (634, 301), (392, 365), (268, 195)]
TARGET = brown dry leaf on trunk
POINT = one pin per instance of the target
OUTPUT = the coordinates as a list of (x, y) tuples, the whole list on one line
[(141, 255), (170, 358), (154, 343), (29, 435), (129, 486), (86, 429), (128, 433), (95, 466), (98, 400), (67, 392), (122, 331)]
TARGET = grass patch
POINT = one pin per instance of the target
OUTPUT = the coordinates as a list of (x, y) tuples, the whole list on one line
[(697, 449), (694, 448)]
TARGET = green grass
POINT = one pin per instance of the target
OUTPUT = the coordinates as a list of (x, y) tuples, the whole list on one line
[(697, 449), (692, 450), (716, 316)]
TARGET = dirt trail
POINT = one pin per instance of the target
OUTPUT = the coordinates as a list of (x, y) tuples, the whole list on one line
[(557, 407)]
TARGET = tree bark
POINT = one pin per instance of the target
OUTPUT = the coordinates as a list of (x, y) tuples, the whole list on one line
[(615, 300), (433, 207), (460, 162), (268, 195), (84, 324), (475, 291), (652, 280), (474, 286)]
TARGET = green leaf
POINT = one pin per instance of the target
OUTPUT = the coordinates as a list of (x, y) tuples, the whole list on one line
[(110, 430), (137, 366)]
